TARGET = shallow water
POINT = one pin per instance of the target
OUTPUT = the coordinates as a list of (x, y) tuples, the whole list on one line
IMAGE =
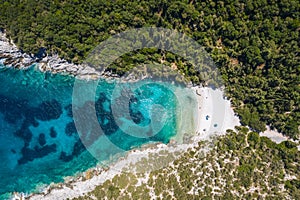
[(39, 140)]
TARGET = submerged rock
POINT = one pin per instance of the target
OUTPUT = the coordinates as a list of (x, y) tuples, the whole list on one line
[(70, 129), (42, 139), (53, 133), (64, 157), (31, 154), (49, 110), (25, 134)]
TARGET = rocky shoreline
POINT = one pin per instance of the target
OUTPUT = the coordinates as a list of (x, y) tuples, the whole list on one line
[(11, 56)]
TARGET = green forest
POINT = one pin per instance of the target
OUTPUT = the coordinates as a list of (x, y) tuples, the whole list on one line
[(254, 43)]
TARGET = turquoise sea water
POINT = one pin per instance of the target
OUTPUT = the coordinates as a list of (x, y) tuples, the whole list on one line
[(39, 142)]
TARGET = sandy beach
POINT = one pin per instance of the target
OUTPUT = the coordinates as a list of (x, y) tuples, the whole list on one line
[(214, 113), (274, 135)]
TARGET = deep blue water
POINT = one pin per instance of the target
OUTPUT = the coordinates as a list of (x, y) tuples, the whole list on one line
[(39, 142)]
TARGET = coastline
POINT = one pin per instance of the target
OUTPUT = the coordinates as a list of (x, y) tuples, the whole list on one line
[(11, 56), (82, 183)]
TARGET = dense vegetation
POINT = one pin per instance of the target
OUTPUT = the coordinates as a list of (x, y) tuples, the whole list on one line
[(241, 165), (255, 43)]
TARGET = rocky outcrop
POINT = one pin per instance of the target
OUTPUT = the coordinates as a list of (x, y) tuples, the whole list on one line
[(11, 56), (55, 64)]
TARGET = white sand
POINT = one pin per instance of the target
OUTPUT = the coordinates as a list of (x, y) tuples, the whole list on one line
[(220, 114), (210, 102), (277, 137), (274, 135)]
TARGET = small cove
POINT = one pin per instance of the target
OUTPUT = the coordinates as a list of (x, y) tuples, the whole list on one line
[(39, 140)]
